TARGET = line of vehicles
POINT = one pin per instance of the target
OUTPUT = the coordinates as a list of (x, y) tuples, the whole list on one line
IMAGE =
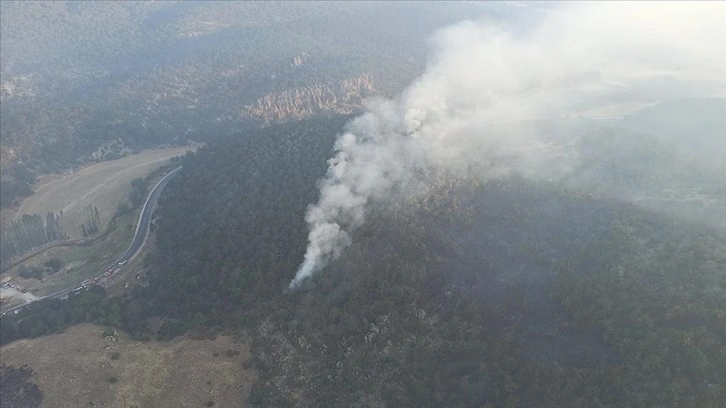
[(96, 280), (86, 284)]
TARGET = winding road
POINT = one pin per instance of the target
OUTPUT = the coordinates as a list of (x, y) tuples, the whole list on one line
[(142, 232)]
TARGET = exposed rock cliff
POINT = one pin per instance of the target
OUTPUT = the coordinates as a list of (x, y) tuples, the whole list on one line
[(342, 97)]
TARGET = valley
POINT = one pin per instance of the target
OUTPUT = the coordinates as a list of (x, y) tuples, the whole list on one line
[(362, 204)]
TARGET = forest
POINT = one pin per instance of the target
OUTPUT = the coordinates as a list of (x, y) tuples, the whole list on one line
[(503, 293), (542, 188), (90, 81)]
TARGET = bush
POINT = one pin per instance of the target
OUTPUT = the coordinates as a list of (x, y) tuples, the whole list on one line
[(170, 329), (55, 264), (33, 272), (112, 379), (116, 355), (122, 208)]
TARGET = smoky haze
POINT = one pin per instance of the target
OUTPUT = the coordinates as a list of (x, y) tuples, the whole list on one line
[(474, 110)]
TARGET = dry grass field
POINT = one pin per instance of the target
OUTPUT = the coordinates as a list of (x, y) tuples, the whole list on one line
[(103, 185), (77, 369)]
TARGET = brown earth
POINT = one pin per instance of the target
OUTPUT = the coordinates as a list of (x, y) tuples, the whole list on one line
[(75, 369)]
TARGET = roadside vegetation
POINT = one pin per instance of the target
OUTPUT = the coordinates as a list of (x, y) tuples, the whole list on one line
[(84, 258)]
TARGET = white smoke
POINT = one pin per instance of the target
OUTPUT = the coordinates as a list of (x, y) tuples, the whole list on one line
[(474, 108)]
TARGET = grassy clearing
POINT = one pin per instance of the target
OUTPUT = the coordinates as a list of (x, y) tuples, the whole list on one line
[(77, 367), (81, 262), (103, 185)]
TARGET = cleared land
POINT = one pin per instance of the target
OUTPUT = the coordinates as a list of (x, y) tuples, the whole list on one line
[(76, 369), (103, 185), (81, 262)]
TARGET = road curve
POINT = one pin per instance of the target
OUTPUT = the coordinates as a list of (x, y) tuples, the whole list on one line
[(142, 232)]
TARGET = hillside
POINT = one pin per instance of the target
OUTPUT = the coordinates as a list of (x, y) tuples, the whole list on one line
[(126, 372), (87, 81), (392, 204), (696, 125), (503, 293), (507, 293)]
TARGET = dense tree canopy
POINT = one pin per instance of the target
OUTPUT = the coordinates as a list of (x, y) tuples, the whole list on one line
[(505, 293), (502, 293)]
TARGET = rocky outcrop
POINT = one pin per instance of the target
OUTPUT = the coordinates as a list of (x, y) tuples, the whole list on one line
[(342, 97)]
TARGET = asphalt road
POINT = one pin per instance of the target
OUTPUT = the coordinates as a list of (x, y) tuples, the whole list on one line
[(142, 232), (142, 228)]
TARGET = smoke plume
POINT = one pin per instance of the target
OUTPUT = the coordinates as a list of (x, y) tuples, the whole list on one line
[(487, 84)]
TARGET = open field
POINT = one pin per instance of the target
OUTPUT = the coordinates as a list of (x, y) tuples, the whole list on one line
[(76, 369), (103, 185), (81, 262)]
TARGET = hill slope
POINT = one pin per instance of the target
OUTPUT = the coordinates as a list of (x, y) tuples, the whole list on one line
[(506, 293)]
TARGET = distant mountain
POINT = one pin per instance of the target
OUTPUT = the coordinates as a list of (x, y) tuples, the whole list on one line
[(695, 125), (653, 172), (79, 76)]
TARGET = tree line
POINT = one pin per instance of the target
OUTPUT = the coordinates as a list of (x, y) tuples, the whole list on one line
[(90, 221), (30, 232)]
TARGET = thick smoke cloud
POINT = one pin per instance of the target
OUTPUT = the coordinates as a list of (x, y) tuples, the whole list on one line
[(474, 109)]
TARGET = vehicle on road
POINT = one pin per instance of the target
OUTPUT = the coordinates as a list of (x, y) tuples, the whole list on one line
[(136, 245)]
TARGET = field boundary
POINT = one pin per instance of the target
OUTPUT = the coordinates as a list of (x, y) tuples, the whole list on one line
[(74, 242)]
